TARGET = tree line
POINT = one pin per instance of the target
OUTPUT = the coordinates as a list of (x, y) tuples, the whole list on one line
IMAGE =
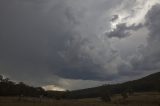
[(10, 88)]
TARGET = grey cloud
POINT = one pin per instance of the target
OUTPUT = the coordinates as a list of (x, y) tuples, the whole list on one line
[(26, 33), (152, 21), (73, 63), (33, 41), (42, 42), (150, 58), (122, 30), (147, 58), (39, 37), (69, 59), (114, 18)]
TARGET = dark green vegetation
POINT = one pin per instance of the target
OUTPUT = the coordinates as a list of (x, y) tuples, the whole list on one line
[(146, 84), (10, 88), (149, 83)]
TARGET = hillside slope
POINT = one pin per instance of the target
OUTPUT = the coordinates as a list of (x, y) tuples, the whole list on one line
[(145, 84)]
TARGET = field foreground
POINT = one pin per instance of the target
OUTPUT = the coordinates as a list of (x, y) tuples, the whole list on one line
[(138, 99)]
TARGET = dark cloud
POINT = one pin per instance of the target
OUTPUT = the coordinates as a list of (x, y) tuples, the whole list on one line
[(27, 32), (114, 18), (37, 41), (73, 63), (149, 57), (122, 30), (153, 23), (45, 41)]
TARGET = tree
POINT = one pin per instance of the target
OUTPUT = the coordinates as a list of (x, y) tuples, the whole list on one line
[(105, 95), (1, 78), (124, 95), (6, 80), (106, 98), (130, 91)]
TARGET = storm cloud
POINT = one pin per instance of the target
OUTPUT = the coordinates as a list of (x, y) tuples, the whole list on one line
[(63, 42), (150, 59), (122, 30)]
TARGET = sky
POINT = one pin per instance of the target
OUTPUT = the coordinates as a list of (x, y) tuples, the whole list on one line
[(76, 44)]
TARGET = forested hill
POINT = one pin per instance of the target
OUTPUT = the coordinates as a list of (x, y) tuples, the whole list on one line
[(145, 84)]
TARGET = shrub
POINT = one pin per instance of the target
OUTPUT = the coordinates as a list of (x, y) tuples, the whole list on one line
[(124, 95), (105, 96)]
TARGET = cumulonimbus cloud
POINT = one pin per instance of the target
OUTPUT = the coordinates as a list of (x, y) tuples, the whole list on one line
[(65, 39)]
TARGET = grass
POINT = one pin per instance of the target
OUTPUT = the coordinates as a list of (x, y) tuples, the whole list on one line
[(138, 99)]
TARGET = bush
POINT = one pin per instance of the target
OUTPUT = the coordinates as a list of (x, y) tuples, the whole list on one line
[(106, 98), (124, 95), (130, 92)]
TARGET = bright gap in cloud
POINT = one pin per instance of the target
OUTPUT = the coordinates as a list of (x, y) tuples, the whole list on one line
[(135, 15), (53, 88)]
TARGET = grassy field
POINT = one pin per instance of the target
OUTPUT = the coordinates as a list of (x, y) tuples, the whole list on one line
[(138, 99)]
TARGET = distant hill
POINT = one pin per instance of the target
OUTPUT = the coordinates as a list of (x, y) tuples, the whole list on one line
[(145, 84)]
